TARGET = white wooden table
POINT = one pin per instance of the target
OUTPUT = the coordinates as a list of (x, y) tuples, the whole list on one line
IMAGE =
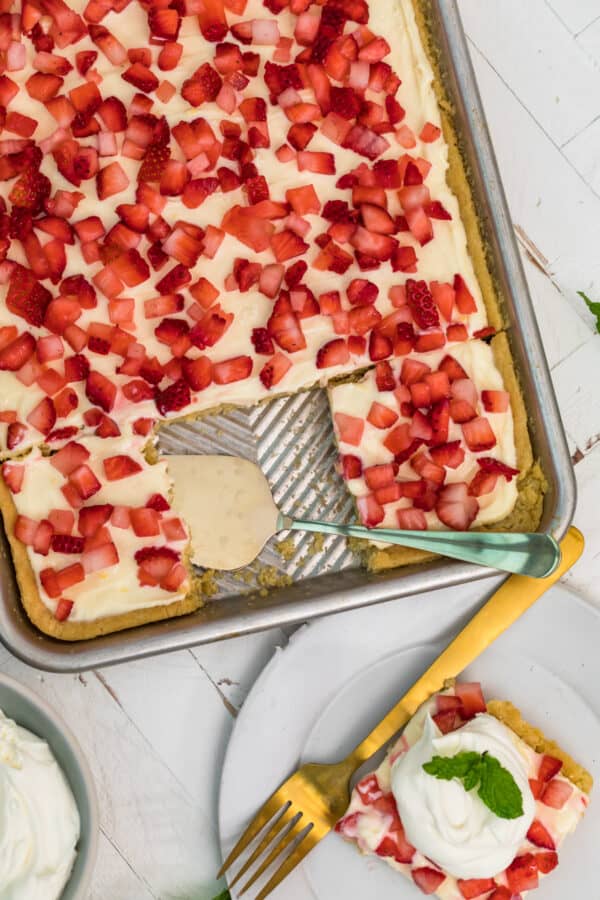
[(155, 731)]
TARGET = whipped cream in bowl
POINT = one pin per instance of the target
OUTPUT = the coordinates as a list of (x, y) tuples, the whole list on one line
[(450, 825), (48, 810)]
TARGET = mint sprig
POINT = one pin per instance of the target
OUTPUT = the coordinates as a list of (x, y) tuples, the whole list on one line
[(593, 306), (496, 787)]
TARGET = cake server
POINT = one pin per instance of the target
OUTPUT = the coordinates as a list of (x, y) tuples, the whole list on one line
[(228, 503), (306, 807)]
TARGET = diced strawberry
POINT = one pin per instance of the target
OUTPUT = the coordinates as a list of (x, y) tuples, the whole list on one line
[(384, 377), (546, 862), (452, 368), (450, 455), (120, 466), (495, 401), (84, 481), (549, 767), (43, 416), (231, 370), (111, 180), (100, 391), (428, 879), (455, 508), (69, 576), (15, 434), (471, 698), (413, 371), (284, 327), (411, 519), (522, 874), (475, 887), (286, 245), (197, 372), (350, 428), (92, 518), (141, 77), (212, 19), (102, 557), (14, 355), (381, 416), (421, 304), (478, 434), (274, 370), (395, 845), (13, 475), (370, 511), (351, 466), (539, 835), (334, 353), (380, 476), (67, 543), (70, 457), (25, 529), (556, 793), (464, 299), (173, 398), (145, 522)]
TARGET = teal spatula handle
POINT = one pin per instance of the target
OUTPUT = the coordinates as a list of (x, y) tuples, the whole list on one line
[(536, 555)]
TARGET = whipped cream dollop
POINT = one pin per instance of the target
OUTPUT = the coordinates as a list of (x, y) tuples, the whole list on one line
[(39, 821), (451, 826)]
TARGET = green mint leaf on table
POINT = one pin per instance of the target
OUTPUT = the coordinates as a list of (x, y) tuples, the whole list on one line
[(497, 787), (594, 308)]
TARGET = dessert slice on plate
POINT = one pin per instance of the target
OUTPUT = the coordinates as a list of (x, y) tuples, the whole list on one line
[(470, 802), (95, 543)]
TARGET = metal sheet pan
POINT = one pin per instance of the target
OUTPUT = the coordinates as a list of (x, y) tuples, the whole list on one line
[(292, 440)]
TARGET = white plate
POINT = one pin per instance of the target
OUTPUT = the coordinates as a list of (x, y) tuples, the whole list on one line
[(337, 678)]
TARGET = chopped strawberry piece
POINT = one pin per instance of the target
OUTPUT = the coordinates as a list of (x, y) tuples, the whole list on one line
[(380, 476), (274, 370), (464, 299), (145, 522), (381, 416), (471, 698), (66, 543), (455, 508), (13, 476), (120, 466), (421, 304), (428, 879), (351, 466), (522, 874), (212, 19), (141, 77), (69, 458), (450, 455), (197, 372), (495, 401), (63, 609), (25, 529), (17, 353), (230, 370), (395, 844), (370, 511), (549, 767), (92, 518), (111, 180), (478, 434), (334, 353), (475, 887), (411, 519), (539, 835), (412, 371), (84, 481), (384, 377), (100, 391), (98, 558), (546, 862), (350, 428), (43, 416), (556, 793)]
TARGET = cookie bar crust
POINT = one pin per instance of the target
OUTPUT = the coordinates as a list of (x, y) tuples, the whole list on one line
[(43, 619), (510, 716)]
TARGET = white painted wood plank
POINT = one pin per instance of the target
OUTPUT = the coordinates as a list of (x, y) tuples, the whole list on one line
[(176, 708), (585, 576), (234, 665), (590, 40), (115, 878), (534, 54), (548, 199), (583, 152), (576, 14), (576, 384), (563, 330), (164, 835)]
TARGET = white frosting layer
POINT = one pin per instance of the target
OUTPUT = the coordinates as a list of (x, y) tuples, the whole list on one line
[(39, 821), (440, 259), (114, 590), (355, 399), (449, 825)]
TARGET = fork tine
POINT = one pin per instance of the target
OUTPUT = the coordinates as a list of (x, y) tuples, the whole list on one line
[(269, 810), (292, 831), (276, 829), (302, 849)]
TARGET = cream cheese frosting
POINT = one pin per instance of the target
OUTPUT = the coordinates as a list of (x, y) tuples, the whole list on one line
[(439, 260), (39, 821)]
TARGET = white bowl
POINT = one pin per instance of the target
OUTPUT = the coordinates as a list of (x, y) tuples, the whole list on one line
[(28, 710)]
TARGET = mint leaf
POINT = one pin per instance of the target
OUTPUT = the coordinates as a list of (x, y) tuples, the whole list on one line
[(497, 787), (449, 767), (499, 790), (594, 307), (224, 895)]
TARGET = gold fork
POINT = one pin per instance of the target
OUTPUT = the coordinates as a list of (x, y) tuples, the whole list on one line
[(306, 806)]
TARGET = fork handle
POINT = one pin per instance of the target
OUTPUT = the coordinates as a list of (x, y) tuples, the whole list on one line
[(536, 555), (503, 608)]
